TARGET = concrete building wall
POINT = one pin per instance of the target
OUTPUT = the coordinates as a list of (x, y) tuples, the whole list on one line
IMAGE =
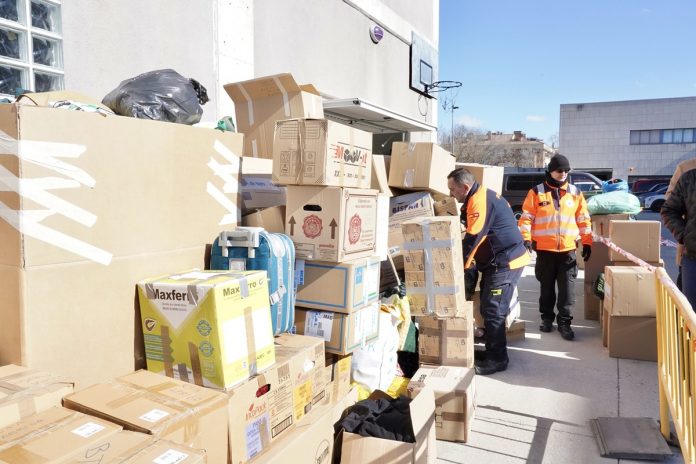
[(597, 135)]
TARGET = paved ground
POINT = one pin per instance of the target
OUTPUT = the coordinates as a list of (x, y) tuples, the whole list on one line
[(538, 410)]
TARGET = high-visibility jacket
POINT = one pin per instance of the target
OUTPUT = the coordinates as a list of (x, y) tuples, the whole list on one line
[(492, 237), (555, 218)]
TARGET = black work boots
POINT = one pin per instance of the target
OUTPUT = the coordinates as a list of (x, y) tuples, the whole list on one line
[(566, 332)]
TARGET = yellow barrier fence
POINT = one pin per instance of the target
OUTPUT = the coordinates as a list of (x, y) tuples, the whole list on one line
[(676, 364)]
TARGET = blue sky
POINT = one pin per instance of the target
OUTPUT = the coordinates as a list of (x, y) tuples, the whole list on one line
[(518, 61)]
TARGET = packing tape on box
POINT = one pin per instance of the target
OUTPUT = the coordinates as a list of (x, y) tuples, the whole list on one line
[(284, 93), (249, 102), (426, 246), (19, 453)]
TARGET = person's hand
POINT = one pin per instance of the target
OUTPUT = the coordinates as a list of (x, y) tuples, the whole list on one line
[(528, 245), (586, 252)]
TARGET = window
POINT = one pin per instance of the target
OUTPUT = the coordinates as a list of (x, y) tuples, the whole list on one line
[(656, 136), (31, 46)]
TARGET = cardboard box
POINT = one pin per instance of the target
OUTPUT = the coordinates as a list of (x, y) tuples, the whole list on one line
[(332, 224), (420, 166), (515, 331), (455, 399), (591, 302), (24, 392), (446, 341), (321, 152), (166, 408), (342, 333), (403, 208), (435, 285), (382, 226), (272, 219), (211, 328), (380, 174), (339, 371), (356, 449), (447, 206), (138, 448), (640, 238), (600, 222), (599, 259), (341, 287), (262, 409), (52, 436), (632, 337), (259, 103), (629, 291), (113, 190), (490, 177)]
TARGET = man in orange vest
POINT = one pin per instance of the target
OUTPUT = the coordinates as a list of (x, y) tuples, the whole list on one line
[(554, 216), (492, 240)]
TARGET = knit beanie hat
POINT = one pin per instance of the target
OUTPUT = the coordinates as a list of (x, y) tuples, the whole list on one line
[(558, 162)]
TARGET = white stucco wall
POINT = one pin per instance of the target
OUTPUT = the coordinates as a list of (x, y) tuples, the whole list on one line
[(597, 135)]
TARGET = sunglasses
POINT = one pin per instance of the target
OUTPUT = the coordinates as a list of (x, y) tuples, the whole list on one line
[(561, 171)]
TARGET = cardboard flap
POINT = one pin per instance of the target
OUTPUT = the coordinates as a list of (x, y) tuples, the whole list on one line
[(47, 98), (262, 87), (422, 409), (309, 88), (369, 450)]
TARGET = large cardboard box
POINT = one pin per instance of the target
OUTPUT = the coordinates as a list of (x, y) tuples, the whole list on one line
[(446, 341), (24, 392), (490, 177), (403, 208), (137, 448), (600, 223), (259, 103), (332, 224), (339, 374), (115, 200), (342, 333), (591, 312), (211, 328), (272, 219), (434, 266), (632, 337), (420, 166), (599, 259), (640, 238), (341, 287), (629, 291), (380, 174), (52, 436), (321, 152), (356, 449), (166, 408), (262, 409), (455, 399)]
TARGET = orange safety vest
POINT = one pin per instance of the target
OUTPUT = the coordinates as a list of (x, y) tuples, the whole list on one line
[(555, 228)]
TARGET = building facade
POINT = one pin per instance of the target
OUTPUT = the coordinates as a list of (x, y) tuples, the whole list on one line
[(91, 46), (632, 138)]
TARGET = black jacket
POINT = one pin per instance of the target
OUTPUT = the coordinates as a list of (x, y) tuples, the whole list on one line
[(679, 212)]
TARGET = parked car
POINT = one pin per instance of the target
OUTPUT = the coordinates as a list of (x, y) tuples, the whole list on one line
[(656, 190), (654, 202), (517, 184), (644, 185)]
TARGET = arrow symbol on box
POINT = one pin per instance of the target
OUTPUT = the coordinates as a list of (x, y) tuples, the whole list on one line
[(333, 228), (292, 225)]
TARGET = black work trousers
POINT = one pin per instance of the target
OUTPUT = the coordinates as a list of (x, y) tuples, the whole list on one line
[(497, 288), (556, 269)]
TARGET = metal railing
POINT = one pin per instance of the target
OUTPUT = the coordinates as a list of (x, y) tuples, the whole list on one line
[(676, 364)]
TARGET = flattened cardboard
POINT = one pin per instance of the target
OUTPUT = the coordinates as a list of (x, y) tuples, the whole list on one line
[(447, 342), (490, 177), (52, 436), (211, 328), (420, 166), (632, 337), (321, 152), (341, 288), (455, 399), (332, 224), (103, 237), (24, 392), (342, 333), (163, 407), (272, 219), (259, 103), (629, 291), (640, 238)]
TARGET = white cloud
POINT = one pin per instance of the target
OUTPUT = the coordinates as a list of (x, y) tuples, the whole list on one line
[(535, 118), (469, 121)]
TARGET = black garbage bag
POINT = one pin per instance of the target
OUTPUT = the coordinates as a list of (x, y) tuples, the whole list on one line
[(162, 95)]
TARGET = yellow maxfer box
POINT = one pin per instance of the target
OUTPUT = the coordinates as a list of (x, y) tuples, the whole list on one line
[(211, 328)]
